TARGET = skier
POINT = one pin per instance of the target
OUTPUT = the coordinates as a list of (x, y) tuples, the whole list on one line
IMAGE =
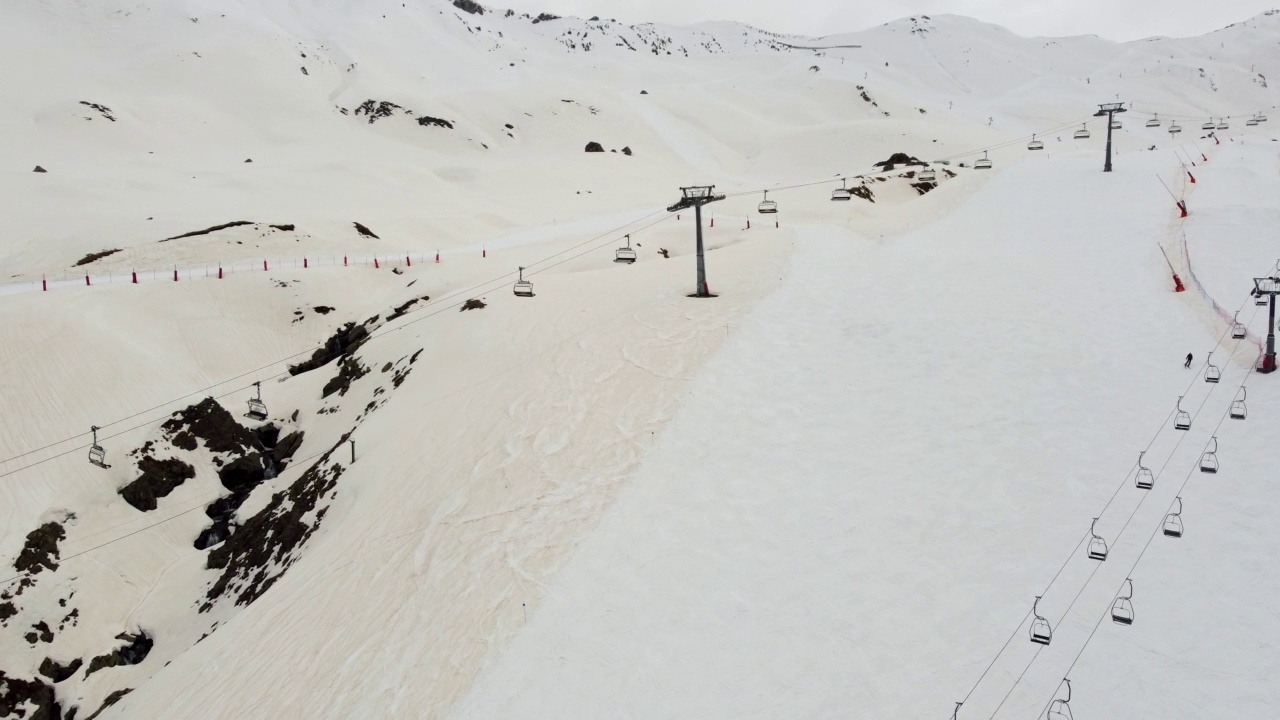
[(1187, 364)]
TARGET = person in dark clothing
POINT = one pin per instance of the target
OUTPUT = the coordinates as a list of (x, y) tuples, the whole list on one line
[(1187, 364)]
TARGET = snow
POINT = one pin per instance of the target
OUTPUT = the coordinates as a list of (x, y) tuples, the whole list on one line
[(854, 469)]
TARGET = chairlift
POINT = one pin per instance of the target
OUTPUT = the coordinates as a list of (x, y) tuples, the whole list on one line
[(982, 163), (625, 254), (1262, 118), (1035, 144), (1209, 125), (1041, 633), (1238, 410), (927, 175), (767, 206), (522, 288), (1174, 128), (1122, 608), (1265, 286), (1223, 125), (257, 409), (840, 193), (1211, 372), (1209, 460), (97, 455), (1181, 421), (1060, 709), (1082, 133), (1116, 125), (1097, 546), (1251, 121), (1237, 328), (1154, 121), (1144, 479), (1173, 521)]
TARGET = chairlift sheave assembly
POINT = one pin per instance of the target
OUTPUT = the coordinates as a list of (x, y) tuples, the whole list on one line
[(1082, 133), (257, 409), (1212, 373), (1122, 608), (626, 254), (1041, 633), (767, 206), (1173, 521), (1060, 709), (97, 455), (1035, 144), (1238, 409), (1209, 460), (522, 288), (840, 193), (1182, 420), (1097, 546), (982, 163), (1144, 479)]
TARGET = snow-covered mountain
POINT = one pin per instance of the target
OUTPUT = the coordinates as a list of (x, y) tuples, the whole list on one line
[(852, 470)]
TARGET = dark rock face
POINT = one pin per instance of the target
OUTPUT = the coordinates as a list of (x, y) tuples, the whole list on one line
[(40, 551), (284, 450), (375, 110), (58, 672), (323, 309), (103, 109), (405, 307), (349, 370), (472, 304), (210, 422), (243, 473), (427, 121), (469, 6), (545, 17), (897, 159), (112, 699), (17, 694), (343, 342), (40, 170), (137, 649), (158, 479), (40, 632), (96, 256), (626, 151), (287, 227), (863, 192), (365, 231), (206, 231), (595, 147)]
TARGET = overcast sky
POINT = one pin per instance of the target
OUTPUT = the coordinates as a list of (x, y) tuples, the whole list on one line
[(1114, 19)]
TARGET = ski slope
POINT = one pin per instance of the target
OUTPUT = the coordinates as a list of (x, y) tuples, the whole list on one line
[(854, 469)]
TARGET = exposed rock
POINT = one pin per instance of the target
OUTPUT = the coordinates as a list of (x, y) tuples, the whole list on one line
[(206, 231), (644, 92), (287, 227), (472, 304), (899, 158), (103, 109), (376, 110), (7, 610), (349, 370), (924, 187), (595, 147), (40, 551), (323, 309), (96, 256), (139, 646), (58, 672), (863, 192), (17, 696), (469, 6), (405, 307), (210, 422), (243, 473), (249, 160), (112, 699), (626, 151), (158, 479), (285, 449), (39, 169), (365, 231), (545, 17), (343, 342), (427, 120), (40, 632)]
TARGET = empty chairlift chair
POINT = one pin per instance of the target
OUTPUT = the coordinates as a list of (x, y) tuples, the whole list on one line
[(1223, 124), (1251, 121), (1144, 479), (841, 193), (927, 175), (1238, 410), (1265, 285), (1153, 122), (522, 288), (625, 254), (1209, 125), (1209, 460), (1082, 133), (767, 206), (1097, 546), (1182, 418), (1262, 117), (1212, 374), (1122, 608), (97, 455), (257, 409), (1116, 125), (1174, 128), (1041, 633), (1035, 144), (1173, 521), (1060, 709), (982, 163), (1237, 328)]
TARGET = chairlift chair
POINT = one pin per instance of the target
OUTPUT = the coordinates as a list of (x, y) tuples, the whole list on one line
[(257, 409), (1262, 118), (1174, 128), (1060, 709), (1182, 420), (1116, 125), (840, 193), (767, 206), (982, 163), (1238, 330), (1035, 144), (625, 254), (1212, 374), (1209, 125), (1251, 121), (1223, 124), (1122, 608), (97, 455), (1041, 633), (1265, 285), (1173, 521), (1144, 479), (1238, 410), (1097, 546), (1082, 133), (522, 288), (1209, 460), (927, 175), (1153, 122)]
